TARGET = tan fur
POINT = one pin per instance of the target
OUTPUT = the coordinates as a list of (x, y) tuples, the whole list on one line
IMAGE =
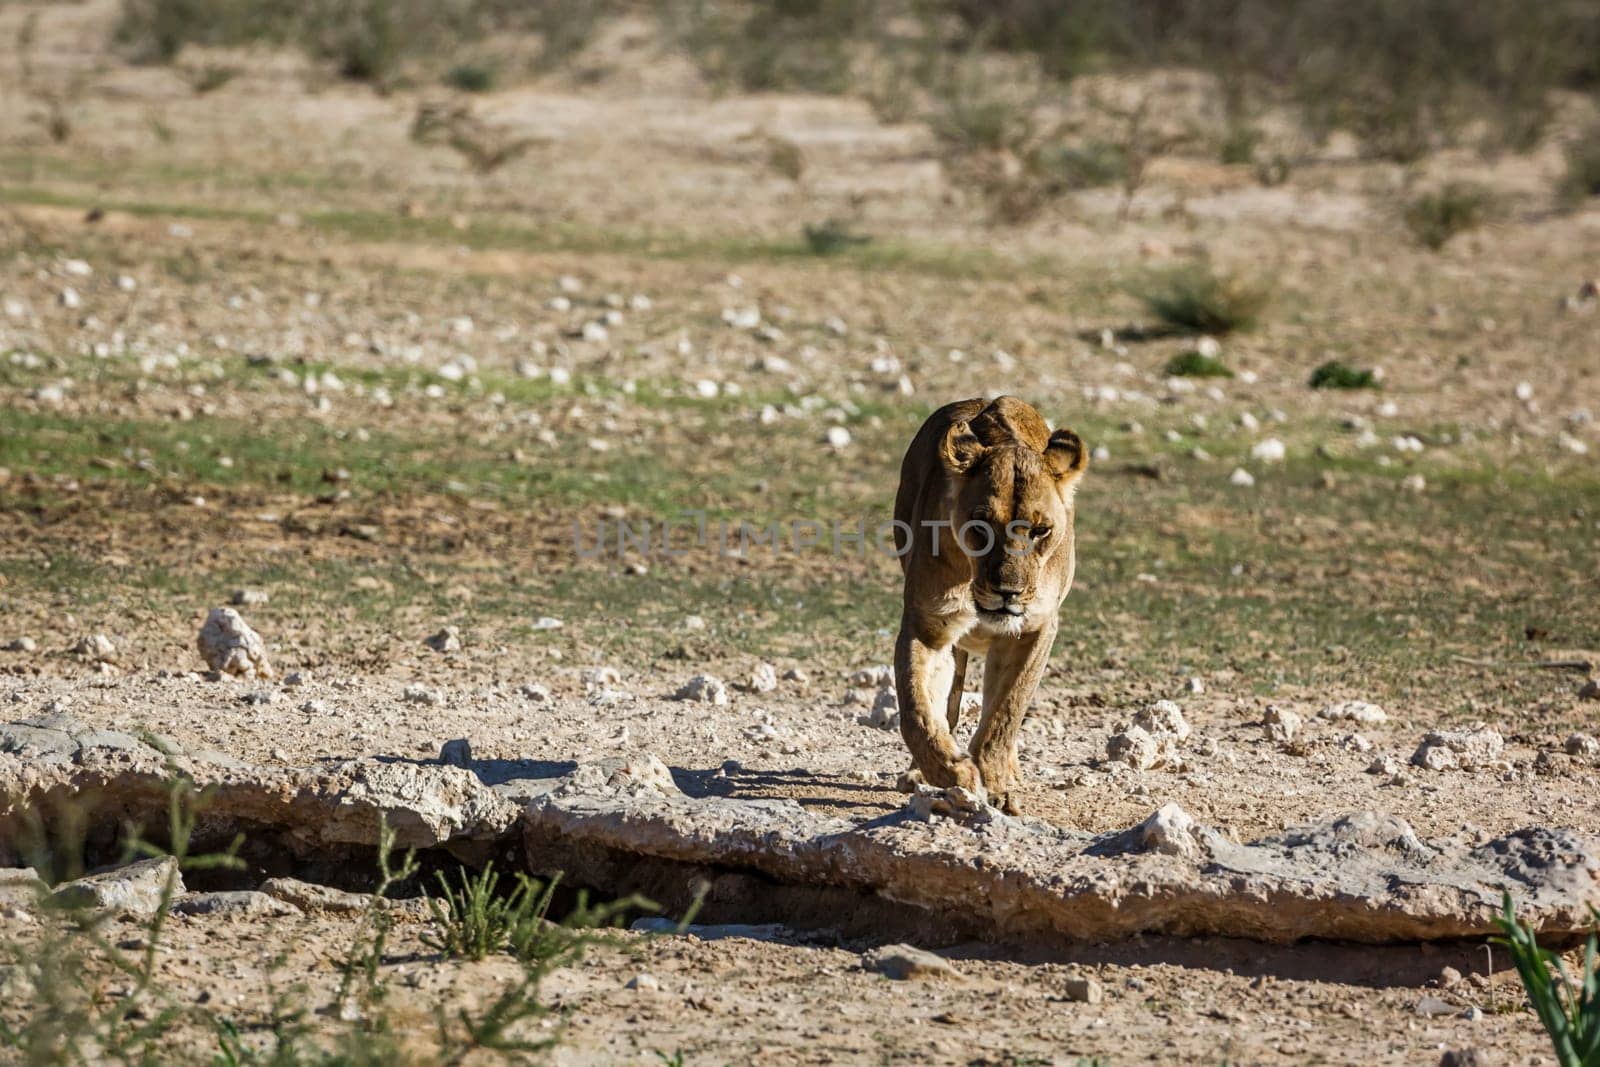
[(996, 464)]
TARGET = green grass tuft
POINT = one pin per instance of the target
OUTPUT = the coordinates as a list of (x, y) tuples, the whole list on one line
[(832, 236), (1433, 218), (1336, 375), (1193, 364), (1569, 1010)]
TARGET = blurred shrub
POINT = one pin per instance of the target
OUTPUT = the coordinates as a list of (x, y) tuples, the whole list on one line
[(1405, 76), (1336, 375), (1196, 298), (833, 236), (1435, 217), (1197, 365), (367, 40), (1582, 177), (769, 45), (1239, 144), (472, 77)]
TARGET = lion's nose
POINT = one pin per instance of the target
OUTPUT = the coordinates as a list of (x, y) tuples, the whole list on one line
[(1008, 593)]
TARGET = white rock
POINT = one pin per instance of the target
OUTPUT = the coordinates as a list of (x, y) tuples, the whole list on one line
[(1582, 745), (70, 298), (417, 693), (96, 648), (1435, 758), (445, 640), (1208, 346), (1270, 450), (229, 646), (1354, 711), (1385, 765), (1170, 831), (22, 644), (596, 677), (1355, 743), (838, 437), (885, 714), (763, 679), (136, 888), (1163, 717), (881, 674), (1242, 478), (1469, 747), (903, 963), (1142, 750), (1281, 724), (1414, 483), (534, 693), (547, 622), (704, 689)]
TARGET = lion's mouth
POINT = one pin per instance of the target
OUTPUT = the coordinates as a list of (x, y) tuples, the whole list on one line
[(1005, 611)]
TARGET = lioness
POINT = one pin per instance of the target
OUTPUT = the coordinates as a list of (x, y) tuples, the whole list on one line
[(984, 532)]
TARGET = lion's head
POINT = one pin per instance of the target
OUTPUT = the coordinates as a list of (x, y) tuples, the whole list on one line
[(1011, 511)]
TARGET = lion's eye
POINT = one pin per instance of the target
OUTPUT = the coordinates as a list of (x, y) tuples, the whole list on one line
[(1039, 533)]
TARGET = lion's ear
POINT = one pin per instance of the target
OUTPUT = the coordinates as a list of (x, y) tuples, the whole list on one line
[(960, 448), (1066, 458)]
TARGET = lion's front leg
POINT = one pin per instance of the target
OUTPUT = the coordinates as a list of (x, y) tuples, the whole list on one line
[(1010, 675), (922, 676)]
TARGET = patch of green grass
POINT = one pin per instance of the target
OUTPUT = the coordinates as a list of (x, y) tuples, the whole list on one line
[(1194, 364), (1337, 375), (476, 919), (1433, 218), (472, 77), (497, 233), (832, 237), (1197, 298), (1568, 1008)]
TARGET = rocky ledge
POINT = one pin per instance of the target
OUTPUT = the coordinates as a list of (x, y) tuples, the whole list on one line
[(1363, 877)]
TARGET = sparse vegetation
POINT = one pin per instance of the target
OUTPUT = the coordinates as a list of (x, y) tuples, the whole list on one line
[(1194, 364), (1335, 374), (1581, 179), (1197, 298), (476, 919), (1433, 218), (1567, 1007), (484, 146), (831, 237), (208, 77), (475, 77), (61, 1019)]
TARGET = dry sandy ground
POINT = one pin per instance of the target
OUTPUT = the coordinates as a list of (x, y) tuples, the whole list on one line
[(274, 236)]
